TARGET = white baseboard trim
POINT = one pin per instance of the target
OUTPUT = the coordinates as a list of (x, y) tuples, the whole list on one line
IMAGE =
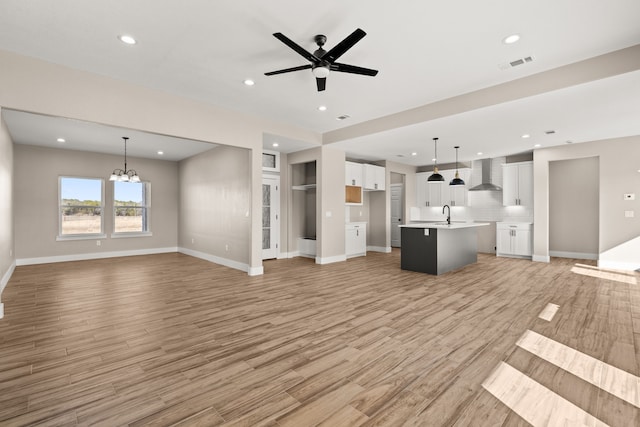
[(5, 278), (284, 255), (1, 310), (383, 249), (293, 254), (256, 271), (615, 265), (331, 259), (93, 255), (252, 271), (541, 258), (577, 255)]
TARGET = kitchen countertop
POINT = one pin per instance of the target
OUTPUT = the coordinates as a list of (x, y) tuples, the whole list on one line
[(445, 226)]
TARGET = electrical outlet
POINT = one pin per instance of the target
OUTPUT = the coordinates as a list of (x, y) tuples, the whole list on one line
[(226, 248), (628, 214), (10, 252), (328, 214), (630, 196), (193, 241), (98, 243)]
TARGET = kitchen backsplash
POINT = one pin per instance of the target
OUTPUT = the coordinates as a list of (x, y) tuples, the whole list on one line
[(483, 206)]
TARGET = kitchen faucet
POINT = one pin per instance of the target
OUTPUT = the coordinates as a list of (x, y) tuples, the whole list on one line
[(448, 213)]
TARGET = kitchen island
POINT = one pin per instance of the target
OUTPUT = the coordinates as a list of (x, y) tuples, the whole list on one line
[(435, 247)]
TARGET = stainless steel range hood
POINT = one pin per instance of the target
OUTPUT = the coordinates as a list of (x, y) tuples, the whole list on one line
[(486, 184)]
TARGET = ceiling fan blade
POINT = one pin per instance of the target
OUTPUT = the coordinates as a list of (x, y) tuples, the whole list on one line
[(346, 68), (288, 70), (293, 45), (338, 50), (321, 82)]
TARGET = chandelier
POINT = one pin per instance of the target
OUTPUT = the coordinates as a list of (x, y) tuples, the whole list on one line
[(125, 175)]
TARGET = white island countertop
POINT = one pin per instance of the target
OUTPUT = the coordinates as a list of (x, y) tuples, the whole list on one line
[(444, 225)]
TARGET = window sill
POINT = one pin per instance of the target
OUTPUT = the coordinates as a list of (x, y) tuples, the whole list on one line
[(133, 234), (81, 237)]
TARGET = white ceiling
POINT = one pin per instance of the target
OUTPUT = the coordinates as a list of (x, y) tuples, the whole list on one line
[(425, 50)]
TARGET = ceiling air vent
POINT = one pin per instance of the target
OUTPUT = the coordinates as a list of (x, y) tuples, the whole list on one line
[(343, 117), (515, 63)]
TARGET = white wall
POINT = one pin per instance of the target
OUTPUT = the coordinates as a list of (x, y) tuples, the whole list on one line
[(36, 175), (7, 253), (618, 236), (215, 206)]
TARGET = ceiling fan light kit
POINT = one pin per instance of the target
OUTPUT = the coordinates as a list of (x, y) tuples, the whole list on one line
[(322, 62)]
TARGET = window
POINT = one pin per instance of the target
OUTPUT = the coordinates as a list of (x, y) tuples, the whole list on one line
[(131, 204), (81, 203), (270, 161)]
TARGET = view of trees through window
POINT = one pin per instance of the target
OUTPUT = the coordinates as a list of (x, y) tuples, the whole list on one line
[(81, 206), (130, 207)]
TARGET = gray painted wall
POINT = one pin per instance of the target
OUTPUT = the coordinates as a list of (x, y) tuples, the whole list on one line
[(573, 206), (7, 253), (618, 236), (36, 175), (215, 203)]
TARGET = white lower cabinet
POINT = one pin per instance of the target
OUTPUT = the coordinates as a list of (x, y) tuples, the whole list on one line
[(355, 239), (514, 239)]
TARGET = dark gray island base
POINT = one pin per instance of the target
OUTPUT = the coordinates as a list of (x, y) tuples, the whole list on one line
[(438, 248)]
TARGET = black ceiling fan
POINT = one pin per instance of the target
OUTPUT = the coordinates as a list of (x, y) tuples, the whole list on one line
[(322, 61)]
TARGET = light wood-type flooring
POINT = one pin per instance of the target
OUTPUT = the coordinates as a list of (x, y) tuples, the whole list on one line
[(173, 340)]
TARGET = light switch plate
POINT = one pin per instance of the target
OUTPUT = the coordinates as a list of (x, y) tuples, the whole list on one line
[(630, 196), (426, 231), (628, 214)]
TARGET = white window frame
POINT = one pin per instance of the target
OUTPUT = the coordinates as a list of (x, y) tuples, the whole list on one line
[(276, 154), (146, 208), (83, 236)]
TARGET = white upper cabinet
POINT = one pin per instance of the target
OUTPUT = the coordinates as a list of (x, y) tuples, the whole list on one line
[(517, 184), (428, 194), (455, 195), (353, 174), (374, 177)]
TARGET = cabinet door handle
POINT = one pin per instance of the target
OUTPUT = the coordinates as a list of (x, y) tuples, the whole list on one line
[(357, 233), (375, 186)]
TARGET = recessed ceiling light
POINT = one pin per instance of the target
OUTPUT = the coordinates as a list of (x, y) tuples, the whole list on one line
[(160, 153), (537, 146), (249, 82), (511, 39), (479, 153), (526, 135), (322, 108), (127, 39), (275, 144), (61, 140), (414, 154)]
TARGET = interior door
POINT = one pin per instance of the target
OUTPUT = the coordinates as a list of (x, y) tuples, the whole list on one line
[(396, 213), (270, 216)]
